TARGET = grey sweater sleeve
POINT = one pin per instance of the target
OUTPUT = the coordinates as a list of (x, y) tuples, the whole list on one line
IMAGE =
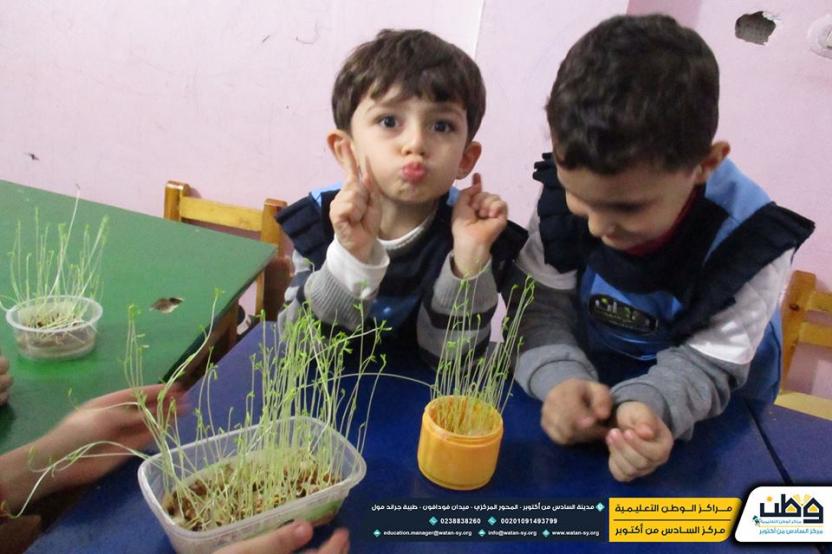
[(480, 295), (329, 300), (550, 353), (694, 381), (684, 387)]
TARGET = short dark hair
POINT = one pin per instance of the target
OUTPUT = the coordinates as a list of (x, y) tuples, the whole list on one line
[(635, 89), (421, 63)]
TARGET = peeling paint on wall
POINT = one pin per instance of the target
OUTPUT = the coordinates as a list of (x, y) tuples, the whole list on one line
[(755, 27)]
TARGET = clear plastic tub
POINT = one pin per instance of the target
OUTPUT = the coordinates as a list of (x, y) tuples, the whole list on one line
[(37, 340), (320, 506)]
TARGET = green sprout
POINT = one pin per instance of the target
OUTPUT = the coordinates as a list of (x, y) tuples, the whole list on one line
[(301, 374), (48, 281), (478, 382), (272, 462)]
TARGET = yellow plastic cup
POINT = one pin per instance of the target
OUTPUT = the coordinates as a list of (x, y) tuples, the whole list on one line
[(455, 461)]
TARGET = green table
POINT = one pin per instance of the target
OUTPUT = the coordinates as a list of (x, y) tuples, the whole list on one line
[(146, 258)]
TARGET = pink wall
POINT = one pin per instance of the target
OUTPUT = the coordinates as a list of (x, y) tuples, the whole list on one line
[(521, 45), (234, 98)]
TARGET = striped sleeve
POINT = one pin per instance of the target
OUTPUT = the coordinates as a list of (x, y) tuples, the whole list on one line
[(329, 299), (478, 294)]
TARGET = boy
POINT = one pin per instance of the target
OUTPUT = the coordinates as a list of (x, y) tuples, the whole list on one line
[(676, 258), (407, 106)]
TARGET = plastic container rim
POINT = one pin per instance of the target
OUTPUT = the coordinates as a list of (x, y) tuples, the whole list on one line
[(347, 483), (97, 311), (472, 440)]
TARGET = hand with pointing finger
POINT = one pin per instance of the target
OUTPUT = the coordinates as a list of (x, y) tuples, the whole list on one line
[(355, 211), (478, 219)]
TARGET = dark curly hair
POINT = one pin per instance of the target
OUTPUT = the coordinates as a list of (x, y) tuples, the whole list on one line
[(635, 89), (419, 62)]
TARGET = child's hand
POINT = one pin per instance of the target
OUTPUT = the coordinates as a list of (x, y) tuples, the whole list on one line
[(287, 539), (5, 380), (478, 219), (639, 443), (113, 417), (575, 411), (355, 212)]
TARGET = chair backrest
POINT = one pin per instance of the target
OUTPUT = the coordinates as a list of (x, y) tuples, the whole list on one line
[(802, 298), (180, 206)]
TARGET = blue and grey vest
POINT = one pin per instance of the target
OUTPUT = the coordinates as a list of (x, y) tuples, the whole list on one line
[(410, 276), (631, 307)]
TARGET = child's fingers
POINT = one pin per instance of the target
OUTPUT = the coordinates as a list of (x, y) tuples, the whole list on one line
[(581, 410), (632, 458), (554, 423), (369, 182), (655, 450), (350, 203), (489, 205), (476, 181), (353, 171), (137, 432), (548, 426), (600, 401), (567, 416), (630, 465), (288, 538), (645, 431), (173, 396), (498, 208), (122, 396), (587, 425), (470, 194), (153, 394), (618, 472), (565, 431)]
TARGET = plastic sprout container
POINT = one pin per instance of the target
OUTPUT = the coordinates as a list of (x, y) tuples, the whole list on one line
[(318, 508), (455, 461), (55, 327)]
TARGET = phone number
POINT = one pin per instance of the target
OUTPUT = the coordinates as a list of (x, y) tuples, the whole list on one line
[(460, 521), (528, 520)]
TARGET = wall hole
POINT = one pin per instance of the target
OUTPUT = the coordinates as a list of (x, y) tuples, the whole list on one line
[(755, 27)]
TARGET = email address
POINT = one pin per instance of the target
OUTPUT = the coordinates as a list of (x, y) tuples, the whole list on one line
[(502, 533), (428, 533)]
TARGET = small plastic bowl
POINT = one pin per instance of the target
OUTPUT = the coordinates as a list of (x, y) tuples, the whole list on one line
[(318, 508), (36, 341), (455, 461)]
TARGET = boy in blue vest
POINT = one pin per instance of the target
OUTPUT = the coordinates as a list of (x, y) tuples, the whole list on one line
[(672, 257), (396, 241)]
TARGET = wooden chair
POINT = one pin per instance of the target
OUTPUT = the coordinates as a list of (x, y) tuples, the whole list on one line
[(801, 299), (272, 281)]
